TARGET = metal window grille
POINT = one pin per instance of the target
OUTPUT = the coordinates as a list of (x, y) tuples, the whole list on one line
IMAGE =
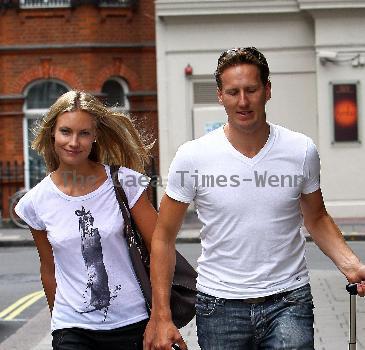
[(44, 3), (11, 180), (12, 176)]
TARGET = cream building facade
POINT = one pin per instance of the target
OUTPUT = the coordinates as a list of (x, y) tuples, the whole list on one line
[(309, 44)]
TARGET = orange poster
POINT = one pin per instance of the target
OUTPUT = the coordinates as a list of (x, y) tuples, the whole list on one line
[(345, 112)]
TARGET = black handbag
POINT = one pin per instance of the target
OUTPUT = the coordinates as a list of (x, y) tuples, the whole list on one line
[(183, 290)]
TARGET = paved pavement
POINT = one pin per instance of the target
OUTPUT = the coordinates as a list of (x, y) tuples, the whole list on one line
[(330, 298), (331, 320)]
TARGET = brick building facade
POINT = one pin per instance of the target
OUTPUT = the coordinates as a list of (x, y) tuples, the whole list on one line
[(50, 46)]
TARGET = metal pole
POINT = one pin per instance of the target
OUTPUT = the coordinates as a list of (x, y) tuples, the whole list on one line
[(352, 289), (352, 325)]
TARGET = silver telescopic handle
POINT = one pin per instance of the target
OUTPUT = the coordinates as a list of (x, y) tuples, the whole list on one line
[(352, 289), (352, 327)]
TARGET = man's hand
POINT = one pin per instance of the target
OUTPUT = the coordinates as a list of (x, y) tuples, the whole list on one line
[(361, 289), (161, 335), (357, 275)]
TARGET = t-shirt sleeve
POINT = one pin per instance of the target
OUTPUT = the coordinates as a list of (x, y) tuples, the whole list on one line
[(312, 169), (25, 209), (133, 183), (180, 180)]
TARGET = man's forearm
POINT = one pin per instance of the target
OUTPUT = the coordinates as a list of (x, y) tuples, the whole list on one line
[(163, 259), (329, 239)]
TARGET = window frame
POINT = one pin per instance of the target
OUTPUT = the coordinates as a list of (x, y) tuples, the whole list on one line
[(33, 114), (123, 83)]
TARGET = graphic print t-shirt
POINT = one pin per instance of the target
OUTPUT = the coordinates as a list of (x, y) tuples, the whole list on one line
[(96, 284)]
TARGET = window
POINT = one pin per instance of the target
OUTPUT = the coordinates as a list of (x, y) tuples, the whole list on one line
[(39, 96), (116, 3), (43, 95), (44, 3), (115, 91)]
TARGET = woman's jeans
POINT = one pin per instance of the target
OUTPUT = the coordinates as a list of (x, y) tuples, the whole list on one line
[(284, 321), (124, 338)]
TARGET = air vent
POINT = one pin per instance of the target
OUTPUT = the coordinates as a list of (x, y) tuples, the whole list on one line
[(205, 92)]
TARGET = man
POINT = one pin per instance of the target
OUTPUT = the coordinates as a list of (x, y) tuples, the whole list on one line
[(253, 184)]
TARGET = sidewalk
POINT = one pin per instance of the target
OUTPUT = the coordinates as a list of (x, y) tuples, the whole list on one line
[(331, 319), (330, 298)]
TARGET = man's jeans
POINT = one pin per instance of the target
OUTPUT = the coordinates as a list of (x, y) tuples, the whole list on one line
[(124, 338), (281, 322)]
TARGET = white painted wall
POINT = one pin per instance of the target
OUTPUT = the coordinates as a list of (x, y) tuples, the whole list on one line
[(199, 40), (290, 39), (296, 110), (343, 165)]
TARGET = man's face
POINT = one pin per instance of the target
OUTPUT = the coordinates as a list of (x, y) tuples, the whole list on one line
[(244, 97)]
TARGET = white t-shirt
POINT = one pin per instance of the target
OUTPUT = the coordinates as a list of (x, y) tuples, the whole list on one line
[(251, 240), (96, 284)]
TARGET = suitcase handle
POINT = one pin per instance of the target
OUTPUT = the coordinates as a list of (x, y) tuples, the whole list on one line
[(352, 288)]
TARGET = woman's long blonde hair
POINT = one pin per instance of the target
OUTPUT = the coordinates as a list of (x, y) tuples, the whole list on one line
[(117, 140)]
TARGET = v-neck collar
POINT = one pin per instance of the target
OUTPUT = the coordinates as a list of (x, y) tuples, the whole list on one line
[(260, 155)]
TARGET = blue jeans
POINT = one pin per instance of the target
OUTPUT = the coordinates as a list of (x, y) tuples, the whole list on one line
[(125, 338), (280, 322)]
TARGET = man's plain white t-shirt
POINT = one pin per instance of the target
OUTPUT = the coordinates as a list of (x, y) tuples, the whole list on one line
[(250, 209)]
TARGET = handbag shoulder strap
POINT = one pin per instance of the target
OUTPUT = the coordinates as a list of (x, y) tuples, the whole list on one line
[(130, 229), (120, 194)]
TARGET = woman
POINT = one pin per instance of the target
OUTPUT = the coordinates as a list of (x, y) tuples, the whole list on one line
[(77, 226)]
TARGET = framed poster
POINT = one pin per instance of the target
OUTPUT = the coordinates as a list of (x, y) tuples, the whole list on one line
[(345, 114)]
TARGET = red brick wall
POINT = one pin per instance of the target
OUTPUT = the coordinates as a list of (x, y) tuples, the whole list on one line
[(11, 126), (44, 37), (85, 23), (82, 68)]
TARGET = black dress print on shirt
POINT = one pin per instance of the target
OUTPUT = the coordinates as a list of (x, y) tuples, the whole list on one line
[(92, 253)]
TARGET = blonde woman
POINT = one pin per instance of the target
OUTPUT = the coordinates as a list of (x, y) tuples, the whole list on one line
[(77, 226)]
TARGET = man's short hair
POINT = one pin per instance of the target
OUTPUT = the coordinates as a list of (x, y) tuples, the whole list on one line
[(240, 55)]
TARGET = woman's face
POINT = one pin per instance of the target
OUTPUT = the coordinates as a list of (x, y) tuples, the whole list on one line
[(74, 134)]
